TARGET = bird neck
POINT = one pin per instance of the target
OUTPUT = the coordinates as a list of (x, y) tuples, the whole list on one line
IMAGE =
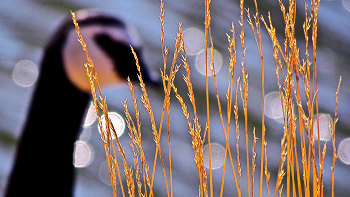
[(44, 160)]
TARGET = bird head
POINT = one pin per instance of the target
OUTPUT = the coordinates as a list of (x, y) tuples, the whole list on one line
[(108, 40)]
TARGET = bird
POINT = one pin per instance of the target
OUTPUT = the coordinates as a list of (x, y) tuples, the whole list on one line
[(43, 163)]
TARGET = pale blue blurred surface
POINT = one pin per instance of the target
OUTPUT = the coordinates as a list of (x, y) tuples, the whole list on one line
[(25, 27)]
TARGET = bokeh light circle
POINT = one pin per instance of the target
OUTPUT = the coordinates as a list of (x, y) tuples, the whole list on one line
[(200, 62), (25, 73), (194, 41), (117, 121), (324, 121), (83, 154), (217, 156), (344, 151), (273, 106), (346, 4), (103, 173), (90, 116)]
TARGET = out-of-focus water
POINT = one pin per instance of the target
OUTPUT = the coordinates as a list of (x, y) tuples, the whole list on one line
[(25, 27)]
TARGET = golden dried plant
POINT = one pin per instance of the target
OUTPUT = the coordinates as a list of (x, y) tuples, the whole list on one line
[(300, 177)]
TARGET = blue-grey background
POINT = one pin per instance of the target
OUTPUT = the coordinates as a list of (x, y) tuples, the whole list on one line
[(25, 27)]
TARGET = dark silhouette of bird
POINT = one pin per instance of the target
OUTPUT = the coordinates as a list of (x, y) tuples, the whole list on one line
[(43, 165)]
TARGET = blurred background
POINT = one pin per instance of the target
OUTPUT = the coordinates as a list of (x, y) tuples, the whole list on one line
[(26, 26)]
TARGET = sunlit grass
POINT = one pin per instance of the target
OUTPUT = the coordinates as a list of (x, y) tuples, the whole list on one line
[(301, 170)]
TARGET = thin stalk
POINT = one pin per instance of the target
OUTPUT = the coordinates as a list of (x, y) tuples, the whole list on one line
[(207, 27)]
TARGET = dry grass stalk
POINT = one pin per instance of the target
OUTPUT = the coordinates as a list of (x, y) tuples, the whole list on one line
[(229, 96), (289, 68), (257, 36), (244, 94), (194, 128), (108, 131), (335, 156), (267, 173), (207, 33), (253, 160), (135, 144), (291, 59)]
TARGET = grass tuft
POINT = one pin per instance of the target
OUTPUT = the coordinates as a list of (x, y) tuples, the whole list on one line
[(301, 164)]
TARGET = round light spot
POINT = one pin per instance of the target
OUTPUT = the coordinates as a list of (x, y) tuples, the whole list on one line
[(90, 116), (200, 62), (346, 4), (344, 151), (324, 121), (25, 73), (117, 121), (217, 156), (273, 106), (83, 154), (194, 41), (103, 173)]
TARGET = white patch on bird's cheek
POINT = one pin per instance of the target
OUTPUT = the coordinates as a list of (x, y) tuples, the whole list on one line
[(75, 57)]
